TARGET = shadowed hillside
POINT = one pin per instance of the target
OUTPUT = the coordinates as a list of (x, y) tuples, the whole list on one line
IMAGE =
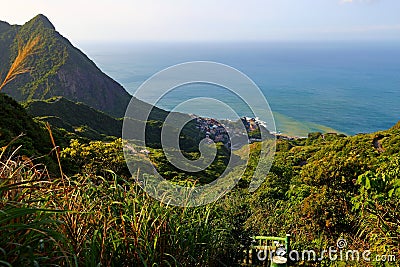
[(75, 117)]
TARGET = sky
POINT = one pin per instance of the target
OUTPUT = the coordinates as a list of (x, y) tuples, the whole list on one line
[(213, 20)]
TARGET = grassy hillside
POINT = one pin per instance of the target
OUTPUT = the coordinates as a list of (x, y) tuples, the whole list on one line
[(15, 121), (80, 120), (319, 189), (74, 117)]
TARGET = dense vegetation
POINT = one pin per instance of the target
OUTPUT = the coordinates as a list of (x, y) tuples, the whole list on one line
[(90, 211), (14, 121)]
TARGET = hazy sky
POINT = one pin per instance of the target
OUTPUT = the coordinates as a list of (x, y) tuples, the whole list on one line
[(261, 20)]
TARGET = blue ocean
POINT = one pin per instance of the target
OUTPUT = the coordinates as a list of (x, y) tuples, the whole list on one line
[(342, 87)]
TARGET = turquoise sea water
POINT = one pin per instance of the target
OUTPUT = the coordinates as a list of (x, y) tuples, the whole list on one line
[(342, 86)]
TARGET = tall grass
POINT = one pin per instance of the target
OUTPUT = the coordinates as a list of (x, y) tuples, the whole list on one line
[(20, 63), (87, 220), (27, 225)]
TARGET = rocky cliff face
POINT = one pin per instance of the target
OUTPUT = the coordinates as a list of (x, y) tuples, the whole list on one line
[(57, 68)]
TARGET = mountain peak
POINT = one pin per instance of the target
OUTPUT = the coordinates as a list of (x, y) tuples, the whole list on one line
[(42, 20), (59, 69), (4, 23), (4, 26)]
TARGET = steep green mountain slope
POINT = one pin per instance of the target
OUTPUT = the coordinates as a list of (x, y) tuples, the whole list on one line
[(57, 68), (7, 34), (15, 121), (75, 117)]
